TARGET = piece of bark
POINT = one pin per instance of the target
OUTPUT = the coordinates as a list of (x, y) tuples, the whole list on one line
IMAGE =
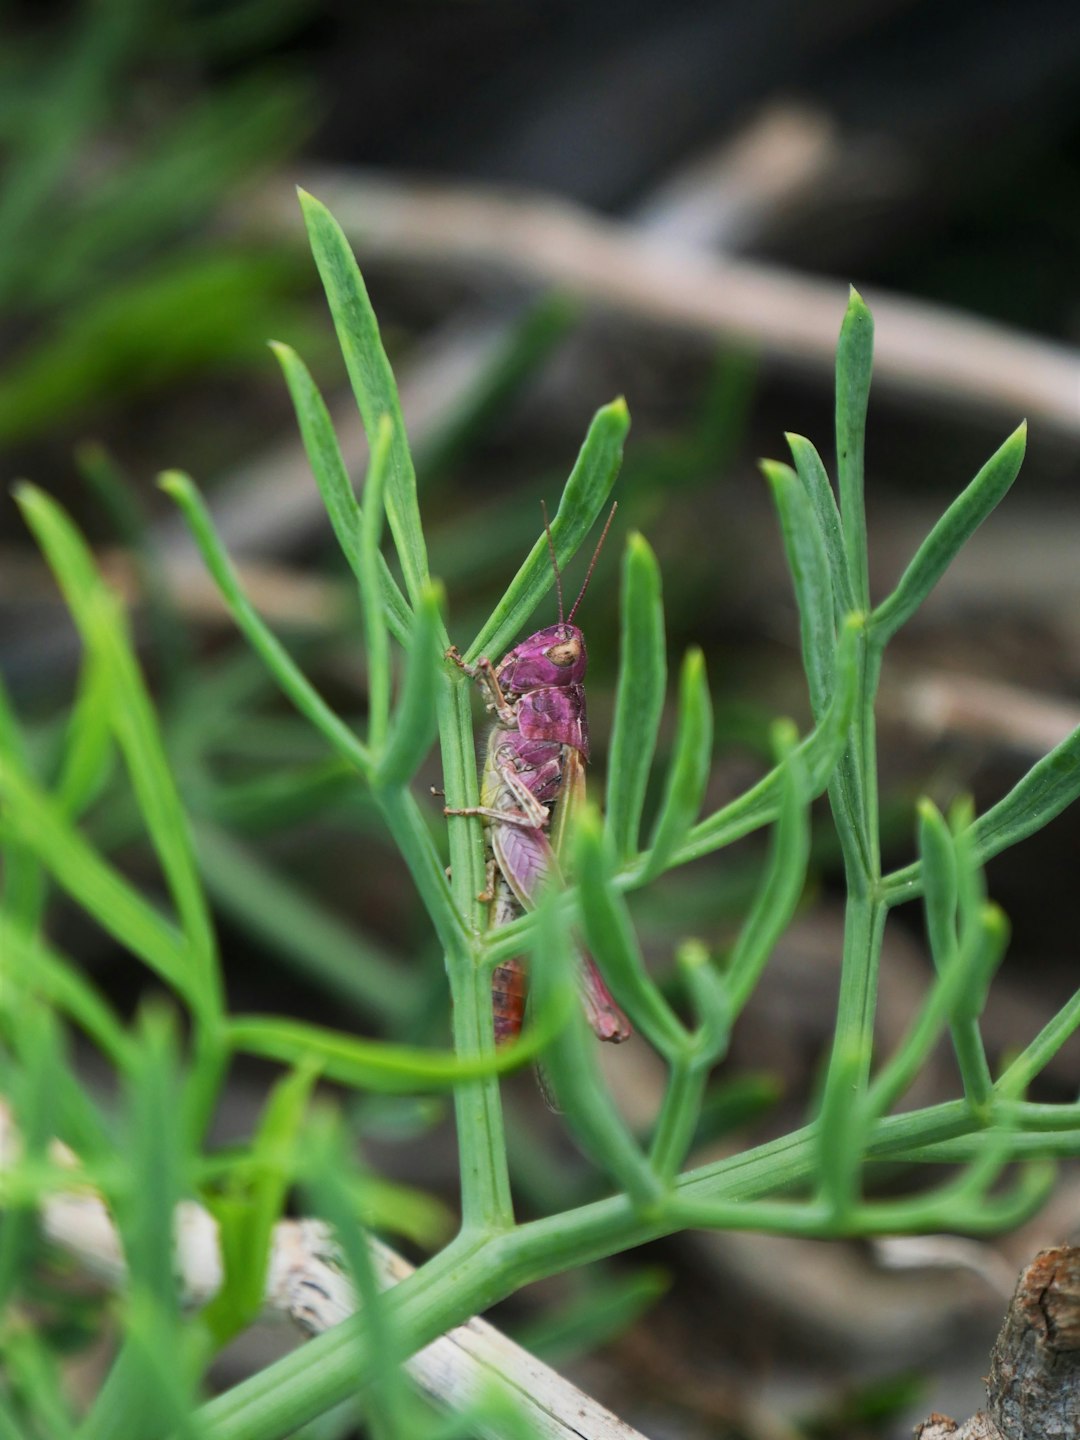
[(1033, 1388)]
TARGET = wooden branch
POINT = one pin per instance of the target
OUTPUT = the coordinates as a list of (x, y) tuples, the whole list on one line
[(1033, 1388), (306, 1282), (926, 350)]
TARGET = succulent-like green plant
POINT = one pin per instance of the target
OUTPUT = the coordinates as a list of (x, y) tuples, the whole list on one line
[(811, 1182)]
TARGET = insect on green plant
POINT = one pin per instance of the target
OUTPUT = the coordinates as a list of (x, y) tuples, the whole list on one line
[(535, 766), (999, 1146)]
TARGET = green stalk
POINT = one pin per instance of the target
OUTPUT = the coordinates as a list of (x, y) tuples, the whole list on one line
[(679, 1113), (486, 1205), (472, 1274)]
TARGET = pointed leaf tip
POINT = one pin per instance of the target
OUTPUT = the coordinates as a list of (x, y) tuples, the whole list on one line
[(783, 736), (174, 483)]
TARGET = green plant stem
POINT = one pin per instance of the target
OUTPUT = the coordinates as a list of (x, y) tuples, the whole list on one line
[(854, 799), (412, 837), (679, 1114), (486, 1205), (473, 1273)]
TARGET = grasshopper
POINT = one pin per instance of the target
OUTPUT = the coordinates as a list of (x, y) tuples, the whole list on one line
[(534, 776)]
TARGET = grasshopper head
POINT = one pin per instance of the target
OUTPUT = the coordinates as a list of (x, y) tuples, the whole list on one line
[(552, 657)]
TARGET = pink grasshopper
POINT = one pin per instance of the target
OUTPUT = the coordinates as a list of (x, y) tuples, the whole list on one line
[(534, 776)]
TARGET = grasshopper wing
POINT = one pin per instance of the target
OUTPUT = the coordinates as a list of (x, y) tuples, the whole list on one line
[(525, 858), (571, 798)]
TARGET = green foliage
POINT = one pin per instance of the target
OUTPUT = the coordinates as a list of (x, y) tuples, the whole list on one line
[(104, 266), (152, 1153)]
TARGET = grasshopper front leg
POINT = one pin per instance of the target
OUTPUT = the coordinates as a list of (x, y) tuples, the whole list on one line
[(532, 815), (483, 672)]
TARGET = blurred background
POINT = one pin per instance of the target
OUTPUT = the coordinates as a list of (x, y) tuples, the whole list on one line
[(554, 203)]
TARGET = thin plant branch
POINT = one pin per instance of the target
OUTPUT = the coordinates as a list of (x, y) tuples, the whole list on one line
[(307, 1283)]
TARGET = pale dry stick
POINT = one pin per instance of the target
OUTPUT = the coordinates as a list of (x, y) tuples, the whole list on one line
[(925, 350), (941, 703), (270, 504), (307, 1283), (716, 200)]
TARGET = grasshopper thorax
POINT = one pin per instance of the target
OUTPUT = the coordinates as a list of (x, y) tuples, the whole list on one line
[(555, 656)]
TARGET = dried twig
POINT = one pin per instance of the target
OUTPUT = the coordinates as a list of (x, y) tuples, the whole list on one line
[(307, 1283), (927, 350), (941, 703)]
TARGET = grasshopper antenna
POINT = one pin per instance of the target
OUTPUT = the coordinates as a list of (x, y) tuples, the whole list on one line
[(554, 561), (592, 563)]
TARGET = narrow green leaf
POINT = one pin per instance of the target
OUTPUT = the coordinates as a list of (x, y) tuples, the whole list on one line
[(150, 1388), (818, 754), (32, 1371), (854, 358), (378, 647), (737, 1103), (36, 821), (401, 1210), (956, 526), (610, 937), (956, 995), (938, 853), (22, 898), (58, 981), (372, 382), (371, 1064), (808, 562), (98, 615), (254, 1203), (815, 481), (688, 772), (570, 1059), (784, 877), (321, 948), (709, 996), (607, 1307), (10, 1427), (119, 497), (639, 696), (1034, 1058), (412, 731), (144, 1209), (944, 863), (277, 660), (32, 1093), (583, 498), (88, 747), (332, 478), (329, 1170), (1052, 784), (992, 925)]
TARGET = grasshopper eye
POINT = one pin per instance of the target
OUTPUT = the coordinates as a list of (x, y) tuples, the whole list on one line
[(564, 654)]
